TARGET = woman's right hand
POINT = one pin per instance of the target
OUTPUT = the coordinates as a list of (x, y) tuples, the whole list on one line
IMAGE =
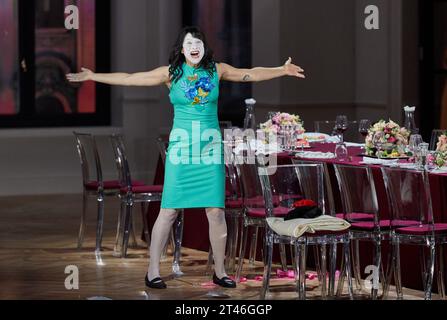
[(85, 75)]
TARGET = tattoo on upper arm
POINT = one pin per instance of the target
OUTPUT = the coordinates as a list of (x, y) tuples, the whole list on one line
[(246, 77)]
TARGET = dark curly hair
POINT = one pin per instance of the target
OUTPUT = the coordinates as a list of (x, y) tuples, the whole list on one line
[(176, 59)]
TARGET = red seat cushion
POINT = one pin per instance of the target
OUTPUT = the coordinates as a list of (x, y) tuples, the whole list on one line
[(260, 212), (110, 185), (233, 204), (145, 189), (385, 224), (423, 229), (356, 216), (258, 201), (326, 232), (369, 225)]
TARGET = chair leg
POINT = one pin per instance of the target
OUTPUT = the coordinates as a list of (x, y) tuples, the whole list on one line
[(347, 271), (253, 246), (292, 255), (147, 236), (133, 238), (234, 249), (332, 268), (341, 280), (268, 250), (389, 274), (356, 259), (126, 230), (317, 261), (377, 264), (430, 270), (441, 284), (83, 220), (301, 262), (423, 266), (396, 266), (282, 252), (323, 271), (100, 221), (119, 229), (242, 249), (178, 237), (229, 246)]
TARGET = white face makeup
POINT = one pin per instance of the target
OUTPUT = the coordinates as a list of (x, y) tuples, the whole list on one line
[(193, 49)]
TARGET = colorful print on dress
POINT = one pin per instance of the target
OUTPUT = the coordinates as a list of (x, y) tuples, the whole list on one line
[(197, 89)]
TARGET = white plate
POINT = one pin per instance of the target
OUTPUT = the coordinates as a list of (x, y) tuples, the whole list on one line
[(315, 136)]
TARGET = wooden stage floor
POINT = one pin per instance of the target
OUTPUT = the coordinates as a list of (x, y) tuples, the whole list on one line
[(38, 241)]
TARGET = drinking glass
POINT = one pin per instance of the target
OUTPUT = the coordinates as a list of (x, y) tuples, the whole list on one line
[(341, 152), (415, 141), (364, 126), (341, 125), (378, 141)]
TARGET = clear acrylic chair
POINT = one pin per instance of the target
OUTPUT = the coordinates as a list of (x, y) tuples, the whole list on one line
[(329, 205), (360, 209), (253, 212), (93, 184), (280, 185), (412, 222), (129, 195), (435, 134), (176, 235)]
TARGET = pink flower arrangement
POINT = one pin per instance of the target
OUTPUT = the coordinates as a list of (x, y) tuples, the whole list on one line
[(439, 158), (393, 139), (282, 119)]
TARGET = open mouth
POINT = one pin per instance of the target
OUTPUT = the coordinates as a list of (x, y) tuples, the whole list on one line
[(195, 54)]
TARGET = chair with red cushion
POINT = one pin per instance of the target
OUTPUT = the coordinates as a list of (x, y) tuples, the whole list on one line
[(285, 182), (360, 209), (254, 210), (412, 223), (129, 195), (93, 184)]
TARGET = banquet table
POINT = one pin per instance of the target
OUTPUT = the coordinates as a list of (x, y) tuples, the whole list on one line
[(196, 225)]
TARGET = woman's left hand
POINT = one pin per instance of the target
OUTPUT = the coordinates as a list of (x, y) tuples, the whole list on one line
[(293, 70)]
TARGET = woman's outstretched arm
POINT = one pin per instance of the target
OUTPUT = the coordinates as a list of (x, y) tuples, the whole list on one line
[(230, 73), (155, 77)]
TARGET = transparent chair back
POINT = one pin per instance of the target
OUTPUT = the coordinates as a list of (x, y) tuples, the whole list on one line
[(89, 158), (409, 197), (328, 127), (121, 161), (358, 193), (290, 183), (251, 188), (329, 204)]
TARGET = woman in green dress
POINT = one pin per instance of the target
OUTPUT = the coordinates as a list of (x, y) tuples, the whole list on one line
[(195, 169)]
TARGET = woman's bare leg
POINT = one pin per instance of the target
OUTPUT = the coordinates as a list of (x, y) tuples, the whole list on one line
[(160, 235), (218, 238)]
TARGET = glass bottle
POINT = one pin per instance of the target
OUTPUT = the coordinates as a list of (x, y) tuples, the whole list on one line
[(409, 120), (250, 120)]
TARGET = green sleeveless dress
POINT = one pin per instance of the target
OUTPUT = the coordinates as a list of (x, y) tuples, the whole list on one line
[(194, 169)]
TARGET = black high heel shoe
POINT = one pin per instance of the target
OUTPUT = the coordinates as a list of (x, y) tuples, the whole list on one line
[(156, 283), (224, 282)]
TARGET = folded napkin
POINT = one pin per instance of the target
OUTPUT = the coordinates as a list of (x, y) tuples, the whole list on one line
[(367, 160), (439, 170), (333, 139), (315, 155), (298, 227), (259, 146), (354, 144)]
